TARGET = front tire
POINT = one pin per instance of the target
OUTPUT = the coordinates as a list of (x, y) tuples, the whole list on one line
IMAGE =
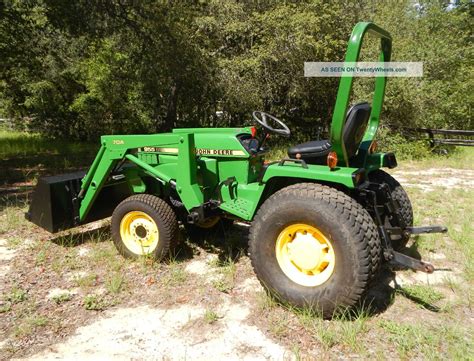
[(142, 225), (313, 246)]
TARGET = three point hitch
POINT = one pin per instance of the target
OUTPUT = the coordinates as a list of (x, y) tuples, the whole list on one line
[(383, 207)]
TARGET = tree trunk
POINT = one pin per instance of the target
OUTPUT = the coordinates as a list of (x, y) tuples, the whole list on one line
[(171, 106)]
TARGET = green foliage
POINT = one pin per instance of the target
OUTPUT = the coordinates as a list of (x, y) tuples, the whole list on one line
[(211, 316), (80, 69), (390, 141), (62, 297), (442, 40), (17, 295), (425, 295), (115, 283), (94, 303)]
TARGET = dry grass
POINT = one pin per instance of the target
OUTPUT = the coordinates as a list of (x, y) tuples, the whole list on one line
[(417, 320)]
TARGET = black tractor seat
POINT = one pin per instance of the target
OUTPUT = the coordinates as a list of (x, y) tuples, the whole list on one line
[(313, 152), (316, 151)]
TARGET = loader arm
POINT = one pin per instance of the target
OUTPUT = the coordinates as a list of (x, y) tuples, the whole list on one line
[(115, 148)]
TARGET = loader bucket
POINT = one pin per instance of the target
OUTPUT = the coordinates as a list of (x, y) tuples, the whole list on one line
[(53, 207)]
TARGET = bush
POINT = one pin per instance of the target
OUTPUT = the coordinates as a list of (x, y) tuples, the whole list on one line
[(404, 148)]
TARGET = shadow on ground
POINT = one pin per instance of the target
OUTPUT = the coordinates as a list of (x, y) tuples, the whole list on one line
[(228, 241), (78, 237), (381, 294)]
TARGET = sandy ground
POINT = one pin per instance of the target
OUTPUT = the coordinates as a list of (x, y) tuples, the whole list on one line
[(6, 254), (428, 179), (151, 332)]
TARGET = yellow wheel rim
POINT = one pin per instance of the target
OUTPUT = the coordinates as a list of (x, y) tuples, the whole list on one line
[(305, 255), (139, 232)]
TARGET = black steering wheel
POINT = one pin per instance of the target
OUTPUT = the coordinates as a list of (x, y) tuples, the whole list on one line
[(262, 119)]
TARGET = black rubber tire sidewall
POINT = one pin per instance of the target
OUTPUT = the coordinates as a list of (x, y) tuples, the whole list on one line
[(400, 195), (352, 268), (159, 211)]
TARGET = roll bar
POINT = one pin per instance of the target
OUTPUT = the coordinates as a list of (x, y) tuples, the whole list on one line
[(345, 88)]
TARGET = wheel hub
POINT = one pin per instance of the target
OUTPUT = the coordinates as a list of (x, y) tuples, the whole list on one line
[(139, 232), (142, 231), (305, 255), (305, 252)]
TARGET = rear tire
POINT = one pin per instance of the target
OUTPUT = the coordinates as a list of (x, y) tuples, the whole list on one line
[(400, 196), (329, 226), (142, 225)]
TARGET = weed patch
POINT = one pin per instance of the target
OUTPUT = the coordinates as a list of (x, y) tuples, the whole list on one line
[(87, 281), (29, 325), (409, 337), (176, 275), (17, 295), (114, 284), (61, 298), (94, 303), (424, 296), (210, 316), (226, 269)]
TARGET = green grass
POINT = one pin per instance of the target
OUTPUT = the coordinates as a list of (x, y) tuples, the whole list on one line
[(12, 217), (455, 209), (226, 270), (61, 298), (17, 295), (210, 316), (41, 257), (14, 242), (278, 325), (407, 337), (22, 144), (115, 283), (26, 156), (460, 157), (94, 302), (87, 281), (265, 302), (346, 328), (426, 294), (175, 274), (417, 338), (6, 307), (278, 153), (28, 325)]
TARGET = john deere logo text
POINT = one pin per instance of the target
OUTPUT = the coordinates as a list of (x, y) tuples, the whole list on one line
[(201, 151)]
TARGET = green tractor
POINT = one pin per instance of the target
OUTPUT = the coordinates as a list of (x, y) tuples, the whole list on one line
[(323, 220)]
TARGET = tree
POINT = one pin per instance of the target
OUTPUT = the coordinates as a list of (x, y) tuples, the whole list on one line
[(88, 67)]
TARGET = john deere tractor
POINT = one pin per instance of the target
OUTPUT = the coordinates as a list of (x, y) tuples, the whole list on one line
[(323, 220)]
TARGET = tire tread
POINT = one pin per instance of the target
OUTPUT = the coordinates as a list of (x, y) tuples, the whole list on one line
[(366, 238), (165, 212)]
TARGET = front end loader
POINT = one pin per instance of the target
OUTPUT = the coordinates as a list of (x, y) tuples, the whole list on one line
[(323, 220)]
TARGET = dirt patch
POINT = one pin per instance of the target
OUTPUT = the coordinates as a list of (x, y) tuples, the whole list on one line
[(429, 179), (74, 297), (166, 334), (6, 254)]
